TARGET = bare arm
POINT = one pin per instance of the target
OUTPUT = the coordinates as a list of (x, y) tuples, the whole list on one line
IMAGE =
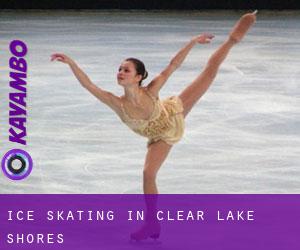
[(157, 83), (106, 97)]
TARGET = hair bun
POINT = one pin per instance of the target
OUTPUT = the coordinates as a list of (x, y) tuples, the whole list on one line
[(145, 75)]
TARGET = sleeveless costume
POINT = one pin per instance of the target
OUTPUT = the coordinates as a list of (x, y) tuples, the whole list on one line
[(165, 123)]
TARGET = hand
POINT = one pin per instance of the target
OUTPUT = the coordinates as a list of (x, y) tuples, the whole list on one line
[(203, 38), (61, 58)]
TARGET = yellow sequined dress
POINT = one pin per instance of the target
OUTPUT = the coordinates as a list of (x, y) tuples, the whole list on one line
[(165, 123)]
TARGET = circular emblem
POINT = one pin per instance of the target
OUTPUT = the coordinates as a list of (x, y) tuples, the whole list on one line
[(17, 164)]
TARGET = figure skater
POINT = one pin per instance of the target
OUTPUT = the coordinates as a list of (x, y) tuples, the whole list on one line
[(161, 121)]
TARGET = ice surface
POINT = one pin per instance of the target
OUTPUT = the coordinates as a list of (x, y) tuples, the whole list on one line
[(242, 137)]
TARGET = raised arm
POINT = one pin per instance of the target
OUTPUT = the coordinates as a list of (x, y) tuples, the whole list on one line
[(106, 97), (156, 84)]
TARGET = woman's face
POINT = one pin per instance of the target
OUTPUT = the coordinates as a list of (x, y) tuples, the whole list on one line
[(127, 74)]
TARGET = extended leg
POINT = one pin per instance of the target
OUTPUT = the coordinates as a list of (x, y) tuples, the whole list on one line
[(192, 93), (198, 87)]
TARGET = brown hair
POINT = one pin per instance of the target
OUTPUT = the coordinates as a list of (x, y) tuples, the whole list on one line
[(139, 67)]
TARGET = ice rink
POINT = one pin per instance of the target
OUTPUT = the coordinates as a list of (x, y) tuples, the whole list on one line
[(242, 137)]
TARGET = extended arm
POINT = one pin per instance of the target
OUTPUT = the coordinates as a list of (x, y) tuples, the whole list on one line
[(104, 96), (157, 83)]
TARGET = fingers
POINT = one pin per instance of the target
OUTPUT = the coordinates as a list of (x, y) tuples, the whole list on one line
[(58, 57), (206, 38), (53, 58), (209, 38), (208, 35)]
